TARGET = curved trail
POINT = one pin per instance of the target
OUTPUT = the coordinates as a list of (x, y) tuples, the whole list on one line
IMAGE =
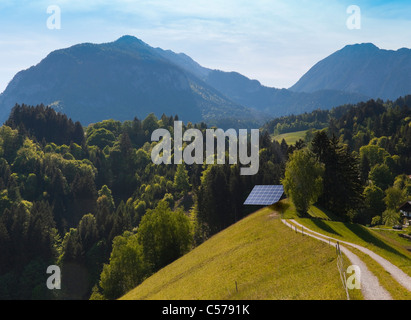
[(370, 286), (400, 276)]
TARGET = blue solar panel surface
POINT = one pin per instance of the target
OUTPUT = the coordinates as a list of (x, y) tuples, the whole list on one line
[(265, 195)]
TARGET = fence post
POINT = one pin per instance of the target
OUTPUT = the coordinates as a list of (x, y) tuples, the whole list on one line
[(340, 266), (337, 247)]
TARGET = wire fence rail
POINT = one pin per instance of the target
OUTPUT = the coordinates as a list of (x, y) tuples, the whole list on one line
[(340, 259), (341, 269)]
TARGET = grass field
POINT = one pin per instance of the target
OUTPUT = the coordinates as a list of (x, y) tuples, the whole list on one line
[(390, 235), (383, 242), (290, 138), (256, 258), (389, 247)]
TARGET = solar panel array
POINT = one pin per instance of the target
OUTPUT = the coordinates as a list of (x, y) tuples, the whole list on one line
[(265, 195)]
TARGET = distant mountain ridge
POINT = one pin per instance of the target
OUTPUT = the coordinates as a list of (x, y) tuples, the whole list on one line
[(128, 78), (251, 93), (363, 69), (120, 80)]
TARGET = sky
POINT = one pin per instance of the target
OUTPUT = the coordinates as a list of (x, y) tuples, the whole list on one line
[(273, 41)]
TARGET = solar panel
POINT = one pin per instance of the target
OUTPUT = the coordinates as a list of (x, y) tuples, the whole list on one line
[(265, 195)]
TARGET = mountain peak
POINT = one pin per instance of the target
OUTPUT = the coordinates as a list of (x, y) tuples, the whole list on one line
[(368, 46), (120, 80), (128, 39), (361, 68)]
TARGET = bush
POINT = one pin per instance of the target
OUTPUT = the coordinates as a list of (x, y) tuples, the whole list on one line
[(165, 235), (127, 267), (390, 217), (376, 221)]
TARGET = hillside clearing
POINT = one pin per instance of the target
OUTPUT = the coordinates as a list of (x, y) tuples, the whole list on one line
[(260, 256), (290, 137)]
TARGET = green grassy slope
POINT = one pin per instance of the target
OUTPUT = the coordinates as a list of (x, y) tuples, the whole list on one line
[(388, 247), (385, 243), (365, 237), (290, 138), (265, 258)]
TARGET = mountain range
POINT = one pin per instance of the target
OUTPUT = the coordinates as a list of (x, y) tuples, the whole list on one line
[(361, 68), (128, 78), (120, 80)]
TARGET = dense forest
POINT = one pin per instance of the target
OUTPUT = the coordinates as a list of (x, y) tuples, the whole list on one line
[(80, 198), (90, 199), (379, 135), (366, 154), (317, 119)]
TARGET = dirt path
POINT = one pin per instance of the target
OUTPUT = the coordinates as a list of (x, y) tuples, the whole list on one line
[(400, 276), (370, 286)]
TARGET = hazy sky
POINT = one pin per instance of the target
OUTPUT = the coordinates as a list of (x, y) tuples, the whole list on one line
[(273, 41)]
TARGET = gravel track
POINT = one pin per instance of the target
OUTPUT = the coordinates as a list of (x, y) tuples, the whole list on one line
[(370, 286), (400, 276)]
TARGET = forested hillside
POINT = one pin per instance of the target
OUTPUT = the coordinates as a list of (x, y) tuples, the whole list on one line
[(119, 80), (366, 152), (91, 201), (66, 193)]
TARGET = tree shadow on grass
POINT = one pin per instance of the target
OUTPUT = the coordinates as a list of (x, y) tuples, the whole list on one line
[(280, 206), (323, 226), (330, 216), (368, 237)]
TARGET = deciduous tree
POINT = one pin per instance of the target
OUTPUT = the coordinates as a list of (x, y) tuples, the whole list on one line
[(303, 180)]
